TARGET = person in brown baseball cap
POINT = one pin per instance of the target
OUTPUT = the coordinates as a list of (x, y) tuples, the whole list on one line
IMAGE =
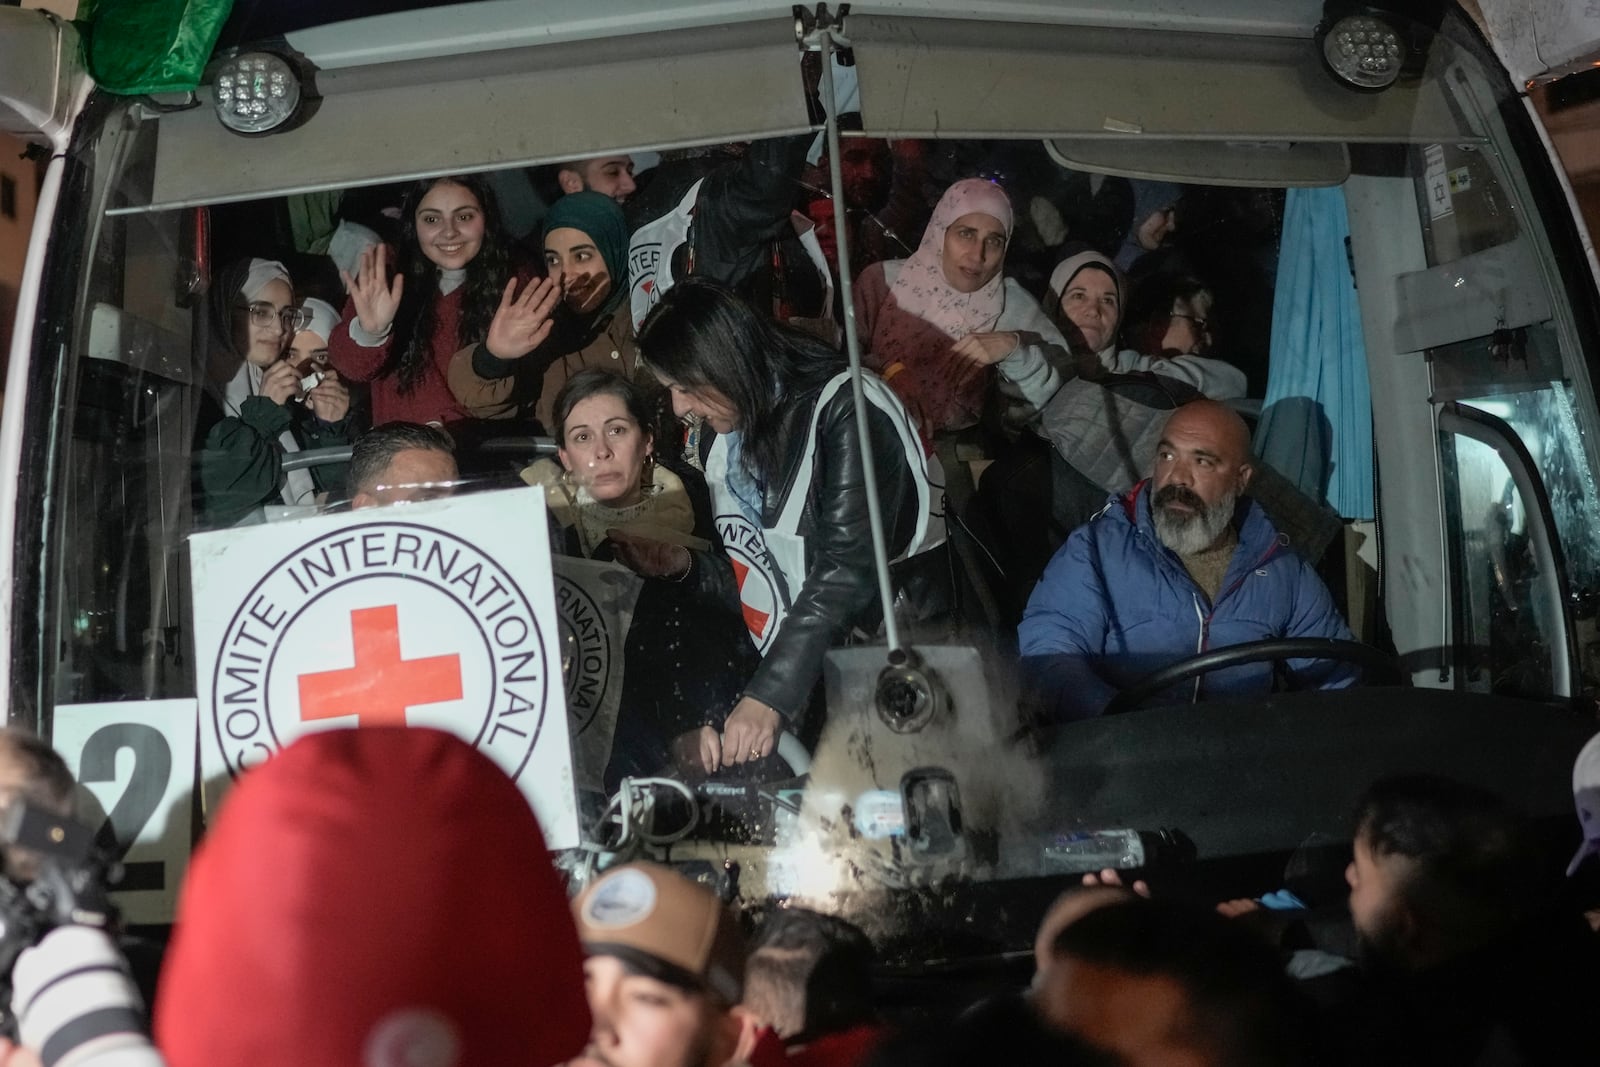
[(664, 974)]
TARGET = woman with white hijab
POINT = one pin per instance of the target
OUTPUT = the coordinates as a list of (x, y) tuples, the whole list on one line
[(254, 409), (1088, 297)]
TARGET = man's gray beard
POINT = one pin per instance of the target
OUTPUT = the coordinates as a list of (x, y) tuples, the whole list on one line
[(1197, 531)]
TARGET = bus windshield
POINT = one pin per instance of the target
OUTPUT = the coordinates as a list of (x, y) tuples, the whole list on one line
[(570, 319)]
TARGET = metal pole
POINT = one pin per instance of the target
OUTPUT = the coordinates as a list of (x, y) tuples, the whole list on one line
[(823, 36)]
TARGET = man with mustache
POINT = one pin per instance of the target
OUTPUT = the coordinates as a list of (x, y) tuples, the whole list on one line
[(1180, 564)]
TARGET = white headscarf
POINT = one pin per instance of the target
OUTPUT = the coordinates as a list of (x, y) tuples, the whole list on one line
[(324, 317), (298, 488)]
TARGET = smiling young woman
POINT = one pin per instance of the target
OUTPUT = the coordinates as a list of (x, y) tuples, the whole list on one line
[(400, 332)]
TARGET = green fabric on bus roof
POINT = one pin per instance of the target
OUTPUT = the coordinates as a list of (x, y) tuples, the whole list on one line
[(150, 46)]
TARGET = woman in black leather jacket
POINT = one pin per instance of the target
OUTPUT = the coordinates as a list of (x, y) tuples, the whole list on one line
[(784, 467)]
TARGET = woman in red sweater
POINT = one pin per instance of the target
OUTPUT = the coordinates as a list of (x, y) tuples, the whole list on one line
[(454, 270)]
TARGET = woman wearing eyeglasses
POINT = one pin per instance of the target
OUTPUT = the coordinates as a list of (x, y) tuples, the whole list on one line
[(1163, 331), (254, 409), (1168, 333)]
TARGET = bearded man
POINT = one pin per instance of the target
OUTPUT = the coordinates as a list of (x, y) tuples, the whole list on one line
[(1182, 563)]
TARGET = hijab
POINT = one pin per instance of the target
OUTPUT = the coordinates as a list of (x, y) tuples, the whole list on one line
[(1061, 278), (598, 216), (923, 314), (921, 287), (247, 279), (1149, 197), (324, 317), (244, 278)]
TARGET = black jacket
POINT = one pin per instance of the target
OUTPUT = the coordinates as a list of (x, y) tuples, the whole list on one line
[(239, 462), (841, 587), (688, 651), (743, 205)]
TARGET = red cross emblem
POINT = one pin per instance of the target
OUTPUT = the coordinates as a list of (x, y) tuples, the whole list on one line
[(381, 685), (754, 618)]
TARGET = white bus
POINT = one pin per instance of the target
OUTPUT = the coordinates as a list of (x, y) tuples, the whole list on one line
[(1447, 447)]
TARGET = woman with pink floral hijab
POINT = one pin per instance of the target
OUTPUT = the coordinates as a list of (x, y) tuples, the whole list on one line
[(932, 324)]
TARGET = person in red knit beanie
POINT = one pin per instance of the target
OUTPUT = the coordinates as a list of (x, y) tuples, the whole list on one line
[(373, 896)]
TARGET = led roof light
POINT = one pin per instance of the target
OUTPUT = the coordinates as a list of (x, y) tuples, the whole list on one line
[(256, 92), (1364, 52)]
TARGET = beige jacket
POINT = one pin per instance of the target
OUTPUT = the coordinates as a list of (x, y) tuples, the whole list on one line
[(486, 398)]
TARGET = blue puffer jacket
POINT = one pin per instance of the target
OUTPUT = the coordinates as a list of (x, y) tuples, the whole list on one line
[(1116, 604)]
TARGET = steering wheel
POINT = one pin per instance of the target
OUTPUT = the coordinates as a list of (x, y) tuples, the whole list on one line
[(792, 752), (1375, 663)]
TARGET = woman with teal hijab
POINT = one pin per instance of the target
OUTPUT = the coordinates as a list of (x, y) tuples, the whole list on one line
[(575, 319)]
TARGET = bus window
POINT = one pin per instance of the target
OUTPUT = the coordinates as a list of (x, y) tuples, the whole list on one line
[(1513, 622)]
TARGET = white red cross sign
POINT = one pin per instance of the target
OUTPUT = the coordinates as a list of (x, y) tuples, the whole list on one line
[(437, 614)]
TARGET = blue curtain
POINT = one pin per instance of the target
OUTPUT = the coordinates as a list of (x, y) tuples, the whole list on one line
[(1316, 423)]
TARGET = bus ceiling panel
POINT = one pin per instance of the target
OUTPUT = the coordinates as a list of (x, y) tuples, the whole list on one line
[(1252, 164), (925, 78), (38, 58), (343, 33), (482, 112)]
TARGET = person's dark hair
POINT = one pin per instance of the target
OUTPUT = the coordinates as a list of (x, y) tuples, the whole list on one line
[(1145, 319), (1001, 1030), (594, 381), (809, 974), (1469, 854), (49, 782), (1242, 1007), (481, 291), (376, 449), (702, 334)]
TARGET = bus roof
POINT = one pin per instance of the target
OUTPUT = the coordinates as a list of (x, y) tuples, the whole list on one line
[(355, 32)]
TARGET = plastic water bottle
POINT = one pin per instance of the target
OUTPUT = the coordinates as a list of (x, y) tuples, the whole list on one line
[(1082, 851)]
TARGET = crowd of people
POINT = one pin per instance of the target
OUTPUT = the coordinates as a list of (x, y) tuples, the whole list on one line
[(678, 332), (336, 914)]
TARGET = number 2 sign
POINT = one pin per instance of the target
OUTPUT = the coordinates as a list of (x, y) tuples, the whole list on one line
[(137, 758)]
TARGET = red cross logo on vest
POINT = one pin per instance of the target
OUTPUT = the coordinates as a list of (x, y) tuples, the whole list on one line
[(754, 618), (381, 685)]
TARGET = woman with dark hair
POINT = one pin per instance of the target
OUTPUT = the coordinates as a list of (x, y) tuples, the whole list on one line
[(1167, 332), (257, 406), (454, 273), (785, 471), (688, 653), (513, 373)]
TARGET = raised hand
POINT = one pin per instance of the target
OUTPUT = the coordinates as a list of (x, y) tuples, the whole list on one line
[(522, 323), (376, 298), (330, 400)]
